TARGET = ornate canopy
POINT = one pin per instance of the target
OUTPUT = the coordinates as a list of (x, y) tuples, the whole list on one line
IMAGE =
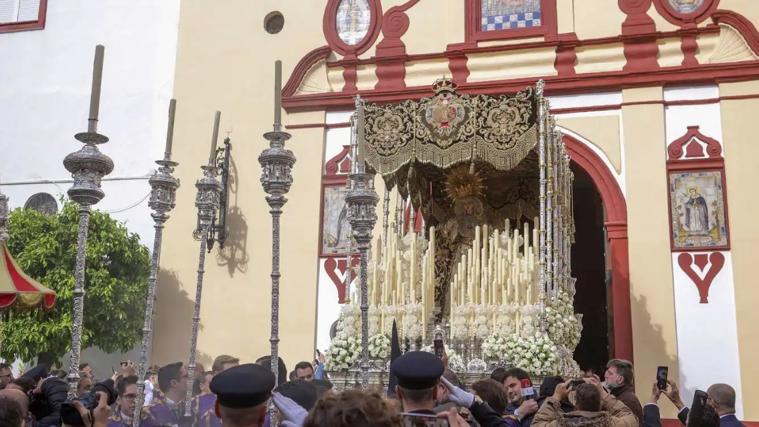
[(16, 287), (448, 129), (423, 147)]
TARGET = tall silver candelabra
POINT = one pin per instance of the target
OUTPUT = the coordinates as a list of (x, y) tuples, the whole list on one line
[(362, 203), (162, 200), (276, 178), (87, 166), (207, 200)]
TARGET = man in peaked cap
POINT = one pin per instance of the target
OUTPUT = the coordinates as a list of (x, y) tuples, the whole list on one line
[(418, 374), (241, 395)]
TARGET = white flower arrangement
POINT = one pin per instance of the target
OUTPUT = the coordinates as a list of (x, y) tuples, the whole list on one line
[(343, 353), (459, 323), (495, 347), (375, 317), (528, 324), (538, 355), (455, 361), (412, 323), (483, 315), (379, 347), (504, 319), (564, 327)]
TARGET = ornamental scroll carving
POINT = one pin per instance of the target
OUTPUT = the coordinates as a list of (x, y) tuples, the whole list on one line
[(448, 129)]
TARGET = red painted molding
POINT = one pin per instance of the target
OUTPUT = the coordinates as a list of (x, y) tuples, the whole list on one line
[(473, 27), (674, 16), (615, 208), (566, 58), (337, 164), (329, 27), (715, 261), (38, 24), (391, 72), (639, 38), (637, 21), (745, 27), (305, 64), (689, 46), (693, 150), (555, 85), (395, 23)]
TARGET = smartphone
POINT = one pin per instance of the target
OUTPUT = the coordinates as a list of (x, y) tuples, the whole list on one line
[(439, 348), (661, 377), (697, 408), (574, 383), (423, 420)]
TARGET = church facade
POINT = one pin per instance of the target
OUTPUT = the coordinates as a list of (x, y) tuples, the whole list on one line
[(654, 100)]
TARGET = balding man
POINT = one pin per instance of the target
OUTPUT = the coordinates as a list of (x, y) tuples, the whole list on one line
[(722, 399)]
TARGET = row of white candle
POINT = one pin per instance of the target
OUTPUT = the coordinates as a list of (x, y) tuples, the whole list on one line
[(494, 271)]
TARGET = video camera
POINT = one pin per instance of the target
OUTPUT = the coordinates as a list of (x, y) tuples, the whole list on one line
[(70, 415)]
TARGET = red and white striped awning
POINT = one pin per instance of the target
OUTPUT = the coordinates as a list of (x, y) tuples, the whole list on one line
[(16, 287)]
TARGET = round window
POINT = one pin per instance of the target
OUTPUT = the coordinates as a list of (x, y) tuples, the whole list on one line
[(273, 22)]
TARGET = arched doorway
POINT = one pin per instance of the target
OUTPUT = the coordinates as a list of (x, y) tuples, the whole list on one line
[(617, 263), (589, 268)]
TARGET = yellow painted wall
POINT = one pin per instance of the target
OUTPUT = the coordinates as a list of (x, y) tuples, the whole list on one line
[(601, 130), (225, 61), (651, 287), (741, 154)]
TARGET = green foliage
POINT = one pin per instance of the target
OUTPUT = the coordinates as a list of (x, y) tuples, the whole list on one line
[(116, 284)]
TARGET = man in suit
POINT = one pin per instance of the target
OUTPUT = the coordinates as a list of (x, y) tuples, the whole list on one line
[(722, 399), (167, 410)]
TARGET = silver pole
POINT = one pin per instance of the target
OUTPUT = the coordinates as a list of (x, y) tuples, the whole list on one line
[(362, 202), (276, 179), (542, 165), (207, 201), (162, 201), (87, 166)]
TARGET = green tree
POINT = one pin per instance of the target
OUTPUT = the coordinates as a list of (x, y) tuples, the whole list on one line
[(116, 285)]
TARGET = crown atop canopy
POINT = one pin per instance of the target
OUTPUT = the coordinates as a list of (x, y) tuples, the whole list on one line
[(444, 85)]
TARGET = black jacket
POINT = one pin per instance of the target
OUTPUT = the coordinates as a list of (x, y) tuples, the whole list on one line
[(46, 406)]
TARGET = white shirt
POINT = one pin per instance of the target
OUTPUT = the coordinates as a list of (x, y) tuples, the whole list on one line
[(148, 392)]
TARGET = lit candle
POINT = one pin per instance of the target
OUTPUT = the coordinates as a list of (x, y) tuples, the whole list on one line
[(170, 128), (214, 138), (97, 79), (277, 92)]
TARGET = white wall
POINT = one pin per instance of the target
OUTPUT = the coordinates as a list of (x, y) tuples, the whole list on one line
[(703, 328), (44, 98)]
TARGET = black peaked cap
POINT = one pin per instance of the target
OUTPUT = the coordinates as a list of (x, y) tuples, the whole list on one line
[(417, 370), (243, 386)]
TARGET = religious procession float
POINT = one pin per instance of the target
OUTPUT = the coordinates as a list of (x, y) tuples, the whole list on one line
[(478, 253)]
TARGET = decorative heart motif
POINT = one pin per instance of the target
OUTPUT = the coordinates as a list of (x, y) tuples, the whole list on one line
[(688, 261), (336, 270)]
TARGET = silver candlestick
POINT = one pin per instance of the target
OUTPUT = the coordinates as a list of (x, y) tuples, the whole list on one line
[(207, 200), (162, 200), (362, 202), (276, 177), (87, 166)]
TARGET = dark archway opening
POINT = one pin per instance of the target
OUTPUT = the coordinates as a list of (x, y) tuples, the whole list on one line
[(589, 267)]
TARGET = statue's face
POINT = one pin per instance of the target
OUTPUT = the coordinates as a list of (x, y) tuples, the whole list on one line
[(469, 211)]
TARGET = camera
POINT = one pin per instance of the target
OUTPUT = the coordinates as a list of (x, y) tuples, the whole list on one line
[(70, 415), (574, 383)]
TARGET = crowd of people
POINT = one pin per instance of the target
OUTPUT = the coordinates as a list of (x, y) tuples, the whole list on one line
[(423, 391)]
